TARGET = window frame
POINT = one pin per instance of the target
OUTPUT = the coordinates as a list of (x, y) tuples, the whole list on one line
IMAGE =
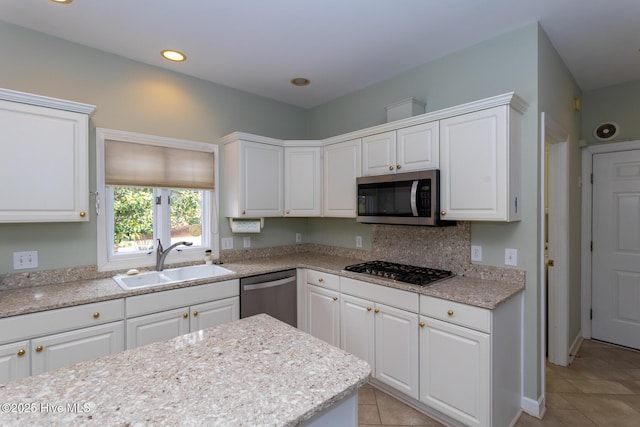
[(106, 260)]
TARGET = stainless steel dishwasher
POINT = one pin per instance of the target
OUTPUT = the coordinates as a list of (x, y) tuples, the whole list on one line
[(274, 294)]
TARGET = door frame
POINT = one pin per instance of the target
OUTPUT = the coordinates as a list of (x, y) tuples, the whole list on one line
[(558, 140), (587, 205)]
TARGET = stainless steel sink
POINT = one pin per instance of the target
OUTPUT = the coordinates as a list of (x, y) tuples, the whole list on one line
[(173, 275)]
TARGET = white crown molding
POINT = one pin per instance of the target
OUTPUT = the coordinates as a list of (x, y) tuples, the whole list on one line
[(45, 101)]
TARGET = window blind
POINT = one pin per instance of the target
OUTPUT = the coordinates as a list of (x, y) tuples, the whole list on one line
[(146, 165)]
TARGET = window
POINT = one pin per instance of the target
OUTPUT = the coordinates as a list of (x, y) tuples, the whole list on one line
[(151, 188)]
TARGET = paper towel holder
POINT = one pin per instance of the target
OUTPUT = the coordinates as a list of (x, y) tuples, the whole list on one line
[(246, 225)]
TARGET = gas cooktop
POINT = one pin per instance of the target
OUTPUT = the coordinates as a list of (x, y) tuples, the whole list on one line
[(421, 276)]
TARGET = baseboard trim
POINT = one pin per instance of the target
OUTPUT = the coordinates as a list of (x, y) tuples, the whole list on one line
[(575, 347), (535, 408)]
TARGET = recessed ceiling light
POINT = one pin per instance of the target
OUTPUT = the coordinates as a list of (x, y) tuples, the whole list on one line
[(62, 1), (173, 55), (300, 81)]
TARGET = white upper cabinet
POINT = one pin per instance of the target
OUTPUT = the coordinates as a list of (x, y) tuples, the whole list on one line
[(342, 165), (303, 180), (407, 149), (480, 165), (253, 177), (44, 155)]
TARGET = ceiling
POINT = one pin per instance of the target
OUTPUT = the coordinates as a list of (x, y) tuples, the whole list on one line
[(342, 46)]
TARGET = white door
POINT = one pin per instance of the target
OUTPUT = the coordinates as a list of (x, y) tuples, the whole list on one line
[(418, 147), (303, 181), (342, 165), (616, 248), (154, 327), (379, 154), (15, 361)]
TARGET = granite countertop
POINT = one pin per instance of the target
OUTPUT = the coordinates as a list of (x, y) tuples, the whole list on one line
[(243, 373), (467, 290)]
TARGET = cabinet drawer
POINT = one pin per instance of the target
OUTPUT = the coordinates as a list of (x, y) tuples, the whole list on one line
[(166, 300), (326, 280), (394, 297), (455, 312), (60, 320)]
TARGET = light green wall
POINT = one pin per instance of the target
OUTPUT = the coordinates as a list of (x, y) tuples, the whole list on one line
[(503, 64), (620, 104), (557, 90), (133, 97)]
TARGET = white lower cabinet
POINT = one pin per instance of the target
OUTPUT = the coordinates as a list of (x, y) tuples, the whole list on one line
[(35, 343), (384, 335), (163, 315), (323, 314), (454, 371)]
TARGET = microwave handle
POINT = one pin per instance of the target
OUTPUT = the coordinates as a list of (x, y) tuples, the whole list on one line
[(414, 195)]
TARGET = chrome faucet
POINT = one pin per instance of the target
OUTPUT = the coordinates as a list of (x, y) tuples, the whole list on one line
[(161, 254)]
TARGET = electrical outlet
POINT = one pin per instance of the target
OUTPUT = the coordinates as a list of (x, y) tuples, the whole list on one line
[(227, 243), (247, 242), (23, 260), (358, 241), (298, 237), (511, 257), (476, 253)]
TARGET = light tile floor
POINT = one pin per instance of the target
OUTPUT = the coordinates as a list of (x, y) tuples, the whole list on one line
[(600, 388)]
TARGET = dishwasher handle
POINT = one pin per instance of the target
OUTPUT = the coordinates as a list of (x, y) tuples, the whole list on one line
[(264, 285)]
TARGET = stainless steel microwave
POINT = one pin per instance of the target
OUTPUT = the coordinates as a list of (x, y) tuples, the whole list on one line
[(411, 198)]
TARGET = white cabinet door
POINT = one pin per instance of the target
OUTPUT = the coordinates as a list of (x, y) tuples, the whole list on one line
[(67, 348), (342, 165), (396, 359), (15, 361), (455, 371), (323, 314), (379, 154), (357, 335), (214, 313), (479, 166), (254, 179), (303, 181), (44, 154), (418, 147), (148, 329)]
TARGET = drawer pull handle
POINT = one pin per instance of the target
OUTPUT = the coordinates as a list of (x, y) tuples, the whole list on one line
[(422, 324), (321, 280), (195, 313), (96, 315), (450, 312), (21, 352), (390, 168), (368, 308), (39, 348), (335, 298), (398, 167), (377, 310), (185, 315)]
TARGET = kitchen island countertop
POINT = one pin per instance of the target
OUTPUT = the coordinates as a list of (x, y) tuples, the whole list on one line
[(256, 371)]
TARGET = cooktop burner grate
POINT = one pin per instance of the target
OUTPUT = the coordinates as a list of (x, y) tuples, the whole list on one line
[(400, 272)]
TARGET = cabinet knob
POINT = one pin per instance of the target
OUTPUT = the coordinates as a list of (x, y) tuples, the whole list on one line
[(287, 212), (39, 348), (390, 168), (368, 308), (321, 280), (185, 315), (21, 352), (244, 212), (377, 310), (450, 312), (422, 324), (335, 298), (195, 313), (443, 213), (398, 167), (96, 315), (83, 214)]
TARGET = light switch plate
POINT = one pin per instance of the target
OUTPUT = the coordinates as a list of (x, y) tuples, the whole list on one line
[(247, 242), (227, 243), (358, 241), (24, 260), (511, 257), (476, 253), (298, 237)]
